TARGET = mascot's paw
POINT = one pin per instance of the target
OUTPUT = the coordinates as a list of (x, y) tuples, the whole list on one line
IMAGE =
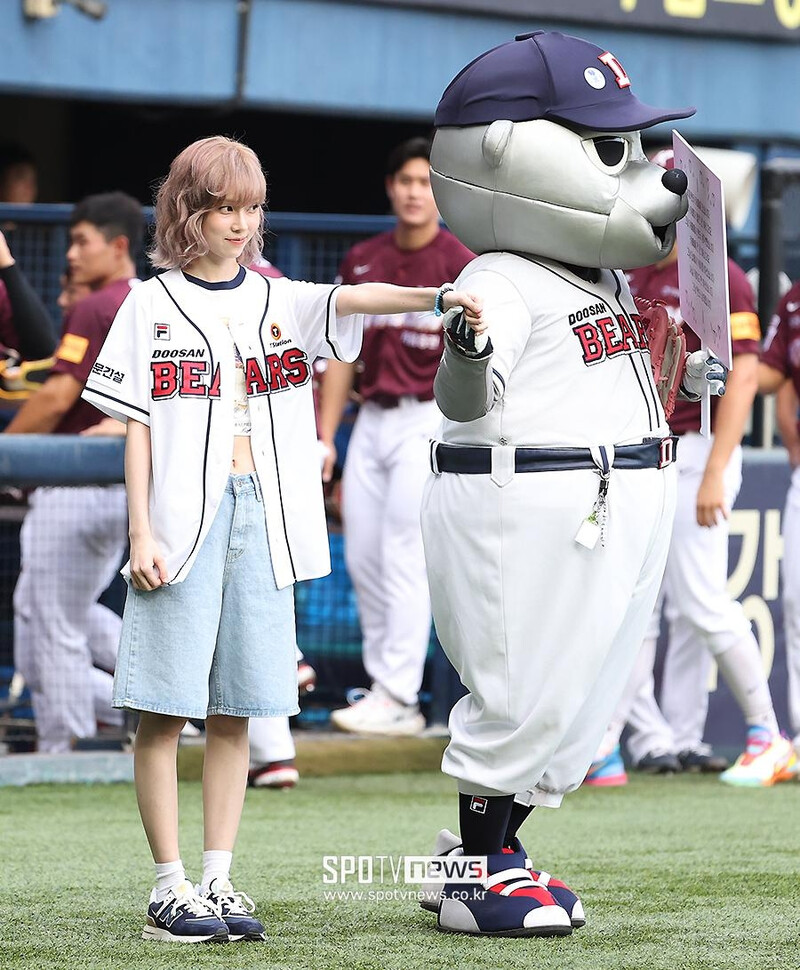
[(702, 369), (463, 338)]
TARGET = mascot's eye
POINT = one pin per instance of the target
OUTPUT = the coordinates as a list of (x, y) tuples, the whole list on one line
[(610, 152)]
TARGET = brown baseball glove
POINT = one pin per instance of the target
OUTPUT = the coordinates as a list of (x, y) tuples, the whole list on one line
[(667, 343)]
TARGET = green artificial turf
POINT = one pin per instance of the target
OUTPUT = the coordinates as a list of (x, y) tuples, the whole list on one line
[(675, 874)]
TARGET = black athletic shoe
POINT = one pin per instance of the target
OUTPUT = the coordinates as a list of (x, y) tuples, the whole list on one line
[(655, 763), (702, 761)]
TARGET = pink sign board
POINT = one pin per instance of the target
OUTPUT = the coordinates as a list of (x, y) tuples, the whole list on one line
[(703, 254)]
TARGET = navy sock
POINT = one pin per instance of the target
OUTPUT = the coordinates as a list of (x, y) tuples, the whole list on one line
[(518, 815), (483, 821)]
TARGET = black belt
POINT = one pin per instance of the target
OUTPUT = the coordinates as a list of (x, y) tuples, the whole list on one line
[(467, 460)]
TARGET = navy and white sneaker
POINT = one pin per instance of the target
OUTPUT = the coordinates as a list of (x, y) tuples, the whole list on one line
[(509, 902), (183, 917), (235, 909), (447, 843)]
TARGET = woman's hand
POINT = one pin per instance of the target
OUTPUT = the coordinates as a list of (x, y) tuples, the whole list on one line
[(148, 568), (472, 305)]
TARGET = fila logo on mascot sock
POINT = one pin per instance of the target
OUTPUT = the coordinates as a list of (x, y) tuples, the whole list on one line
[(606, 336), (188, 378)]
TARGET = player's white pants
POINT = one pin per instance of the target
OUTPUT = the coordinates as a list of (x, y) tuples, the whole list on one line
[(703, 619), (791, 596), (384, 476), (72, 542), (270, 740), (542, 631)]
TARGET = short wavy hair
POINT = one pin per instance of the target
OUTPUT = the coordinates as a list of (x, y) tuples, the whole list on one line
[(205, 173)]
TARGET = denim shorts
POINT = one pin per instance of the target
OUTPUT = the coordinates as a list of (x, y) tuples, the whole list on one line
[(221, 642)]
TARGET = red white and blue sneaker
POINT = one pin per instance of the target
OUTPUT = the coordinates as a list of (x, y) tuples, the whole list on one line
[(183, 917), (235, 909), (508, 902), (447, 843), (608, 772)]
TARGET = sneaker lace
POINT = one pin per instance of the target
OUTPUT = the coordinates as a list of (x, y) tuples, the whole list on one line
[(234, 903), (195, 904)]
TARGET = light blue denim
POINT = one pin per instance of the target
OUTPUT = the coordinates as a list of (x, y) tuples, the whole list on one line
[(222, 641)]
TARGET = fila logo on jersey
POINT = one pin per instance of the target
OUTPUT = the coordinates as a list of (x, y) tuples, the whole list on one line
[(188, 378), (606, 336), (161, 331)]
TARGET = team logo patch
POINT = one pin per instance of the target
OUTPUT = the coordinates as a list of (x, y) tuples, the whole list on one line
[(622, 79), (595, 78), (478, 804), (275, 330), (161, 331)]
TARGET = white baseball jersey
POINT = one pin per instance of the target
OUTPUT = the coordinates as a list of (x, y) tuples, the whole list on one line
[(168, 362), (570, 362), (542, 628)]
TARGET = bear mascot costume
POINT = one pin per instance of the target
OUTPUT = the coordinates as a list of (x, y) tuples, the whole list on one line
[(547, 518)]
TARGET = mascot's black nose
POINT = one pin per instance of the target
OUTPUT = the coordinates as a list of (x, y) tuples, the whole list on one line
[(675, 180)]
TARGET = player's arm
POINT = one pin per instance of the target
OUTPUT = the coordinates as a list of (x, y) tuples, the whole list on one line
[(334, 391), (148, 569), (42, 412), (730, 420), (381, 298), (786, 407), (34, 329)]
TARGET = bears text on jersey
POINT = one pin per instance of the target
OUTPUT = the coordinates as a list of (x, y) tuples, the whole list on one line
[(190, 377)]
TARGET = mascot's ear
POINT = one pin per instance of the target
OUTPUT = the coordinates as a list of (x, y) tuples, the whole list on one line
[(495, 142)]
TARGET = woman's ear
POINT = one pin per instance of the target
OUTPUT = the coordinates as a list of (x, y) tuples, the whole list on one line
[(495, 141)]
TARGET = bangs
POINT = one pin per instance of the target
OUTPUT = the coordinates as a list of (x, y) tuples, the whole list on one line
[(227, 170)]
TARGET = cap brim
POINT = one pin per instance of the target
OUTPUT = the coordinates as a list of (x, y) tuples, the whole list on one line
[(626, 113)]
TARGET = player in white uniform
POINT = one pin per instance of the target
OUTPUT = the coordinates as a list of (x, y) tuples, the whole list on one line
[(546, 523), (210, 365)]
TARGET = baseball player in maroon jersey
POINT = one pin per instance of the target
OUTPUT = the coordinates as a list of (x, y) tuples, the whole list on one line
[(779, 367), (387, 458), (704, 622), (72, 539)]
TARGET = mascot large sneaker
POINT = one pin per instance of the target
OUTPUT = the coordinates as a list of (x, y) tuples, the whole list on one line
[(767, 759), (447, 843), (508, 902)]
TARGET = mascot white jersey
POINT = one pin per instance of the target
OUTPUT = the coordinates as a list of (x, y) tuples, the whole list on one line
[(547, 519)]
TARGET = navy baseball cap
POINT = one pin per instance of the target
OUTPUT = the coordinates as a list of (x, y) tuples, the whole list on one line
[(552, 76)]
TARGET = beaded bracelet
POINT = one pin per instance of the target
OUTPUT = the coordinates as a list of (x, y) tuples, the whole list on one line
[(438, 309)]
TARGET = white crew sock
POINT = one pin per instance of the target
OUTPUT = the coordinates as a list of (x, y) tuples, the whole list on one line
[(168, 875), (741, 667), (216, 865)]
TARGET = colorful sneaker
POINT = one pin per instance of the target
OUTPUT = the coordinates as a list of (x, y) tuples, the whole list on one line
[(509, 902), (377, 712), (608, 772), (184, 917), (235, 909), (306, 677), (767, 759), (276, 774), (447, 843)]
